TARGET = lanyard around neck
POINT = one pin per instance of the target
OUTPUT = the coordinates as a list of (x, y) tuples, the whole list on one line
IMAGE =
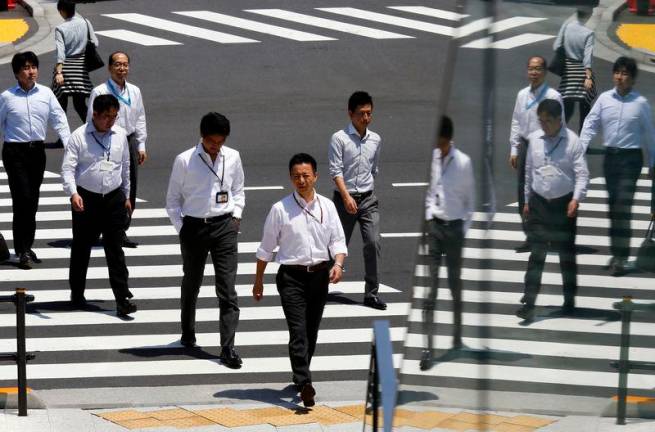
[(116, 93), (220, 179), (538, 98), (107, 149), (308, 212), (548, 153)]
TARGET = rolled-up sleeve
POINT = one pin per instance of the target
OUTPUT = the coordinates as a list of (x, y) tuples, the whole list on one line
[(337, 244), (58, 120), (174, 197), (335, 157), (270, 236)]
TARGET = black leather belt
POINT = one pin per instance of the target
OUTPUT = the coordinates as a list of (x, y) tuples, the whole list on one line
[(31, 144), (358, 196), (447, 222), (207, 220), (309, 269), (616, 150)]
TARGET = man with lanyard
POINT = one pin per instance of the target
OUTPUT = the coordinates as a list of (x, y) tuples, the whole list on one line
[(556, 178), (25, 112), (626, 121), (353, 157), (305, 227), (95, 171), (131, 117), (524, 122), (449, 207), (205, 201)]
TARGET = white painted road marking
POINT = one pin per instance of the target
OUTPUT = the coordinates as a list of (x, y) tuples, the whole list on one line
[(137, 38)]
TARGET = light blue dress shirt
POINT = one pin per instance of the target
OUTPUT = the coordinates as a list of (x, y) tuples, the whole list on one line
[(71, 37), (625, 121), (354, 158), (24, 115), (578, 42)]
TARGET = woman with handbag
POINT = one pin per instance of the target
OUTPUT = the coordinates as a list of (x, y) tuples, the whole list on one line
[(575, 43), (71, 75)]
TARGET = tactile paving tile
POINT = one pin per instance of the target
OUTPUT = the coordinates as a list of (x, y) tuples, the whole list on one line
[(116, 416), (171, 414), (318, 414), (524, 420), (423, 419), (270, 412), (189, 422), (356, 411), (140, 423), (509, 427), (461, 426), (488, 419), (229, 417)]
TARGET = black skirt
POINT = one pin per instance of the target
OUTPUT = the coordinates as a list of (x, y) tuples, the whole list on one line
[(76, 78)]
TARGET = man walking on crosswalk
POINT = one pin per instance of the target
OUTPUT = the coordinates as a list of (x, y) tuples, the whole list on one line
[(556, 178), (205, 201)]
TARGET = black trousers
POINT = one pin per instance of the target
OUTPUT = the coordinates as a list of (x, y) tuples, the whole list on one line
[(368, 217), (569, 109), (218, 238), (549, 224), (444, 238), (520, 171), (103, 214), (622, 169), (25, 164), (79, 103), (303, 296)]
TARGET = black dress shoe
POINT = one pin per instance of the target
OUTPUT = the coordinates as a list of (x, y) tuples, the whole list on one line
[(230, 358), (457, 344), (375, 303), (124, 308), (307, 395), (129, 243), (568, 308), (426, 360), (523, 247), (24, 261), (33, 257), (188, 341), (617, 267), (526, 312), (78, 302)]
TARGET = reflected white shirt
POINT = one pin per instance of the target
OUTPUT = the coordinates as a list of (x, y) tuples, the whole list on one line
[(306, 233), (524, 118), (193, 187), (451, 194)]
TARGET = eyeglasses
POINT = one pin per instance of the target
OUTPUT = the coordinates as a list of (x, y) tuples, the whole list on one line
[(120, 65), (536, 69)]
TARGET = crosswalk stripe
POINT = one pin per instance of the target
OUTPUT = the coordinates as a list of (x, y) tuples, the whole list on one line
[(431, 12), (506, 235), (473, 27), (184, 29), (65, 215), (184, 367), (392, 20), (46, 175), (639, 196), (137, 38), (594, 207), (206, 291), (582, 221), (415, 184), (171, 340), (508, 43), (49, 201), (329, 24), (202, 315), (526, 375), (134, 231), (45, 187), (255, 26), (640, 182)]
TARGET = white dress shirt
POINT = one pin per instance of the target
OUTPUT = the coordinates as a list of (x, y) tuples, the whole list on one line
[(24, 115), (306, 233), (86, 158), (131, 114), (71, 37), (451, 194), (524, 118), (196, 180), (625, 121), (556, 166), (354, 159)]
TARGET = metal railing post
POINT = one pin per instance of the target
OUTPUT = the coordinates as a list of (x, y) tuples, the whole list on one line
[(624, 364), (21, 356)]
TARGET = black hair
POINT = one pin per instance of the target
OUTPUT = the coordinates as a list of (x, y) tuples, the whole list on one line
[(551, 107), (21, 59), (67, 6), (446, 128), (543, 60), (104, 103), (627, 63), (111, 57), (584, 12), (214, 123), (301, 158), (359, 98)]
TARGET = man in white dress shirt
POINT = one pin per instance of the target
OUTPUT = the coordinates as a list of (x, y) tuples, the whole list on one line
[(556, 178), (525, 121), (205, 201), (312, 248), (96, 175), (449, 207), (131, 117), (626, 121)]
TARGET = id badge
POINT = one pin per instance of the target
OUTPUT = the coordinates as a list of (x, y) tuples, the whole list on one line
[(106, 165), (221, 197), (548, 171)]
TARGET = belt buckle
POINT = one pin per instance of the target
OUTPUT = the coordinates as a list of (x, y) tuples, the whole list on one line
[(309, 269), (205, 220)]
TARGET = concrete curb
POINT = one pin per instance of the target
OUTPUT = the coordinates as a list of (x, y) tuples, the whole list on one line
[(604, 16), (42, 41)]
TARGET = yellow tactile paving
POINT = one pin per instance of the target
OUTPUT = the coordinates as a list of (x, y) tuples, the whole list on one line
[(356, 411), (12, 29), (460, 425), (509, 427), (479, 418), (116, 416), (171, 414), (12, 390), (425, 419), (189, 422), (141, 423), (629, 399), (637, 35), (536, 422), (229, 417)]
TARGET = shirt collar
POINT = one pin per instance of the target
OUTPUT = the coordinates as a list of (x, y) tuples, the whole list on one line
[(201, 151), (561, 133), (538, 89), (352, 131), (90, 128), (117, 86), (302, 201), (17, 88), (616, 94), (451, 152)]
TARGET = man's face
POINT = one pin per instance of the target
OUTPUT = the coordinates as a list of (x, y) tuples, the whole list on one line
[(212, 143), (303, 177), (103, 121), (119, 68), (622, 80), (550, 125), (536, 72), (27, 75), (362, 116)]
